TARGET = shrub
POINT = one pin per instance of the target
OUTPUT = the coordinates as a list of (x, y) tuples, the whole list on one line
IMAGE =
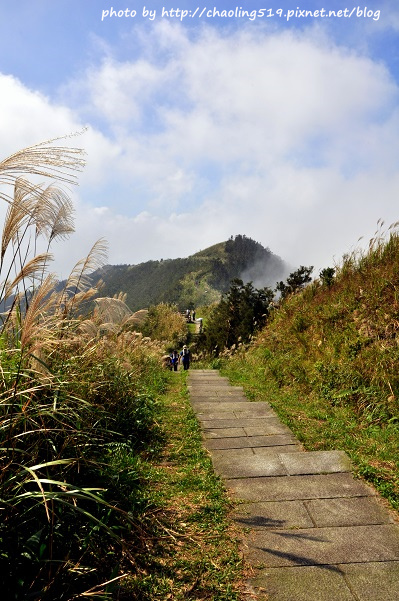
[(241, 312), (166, 324)]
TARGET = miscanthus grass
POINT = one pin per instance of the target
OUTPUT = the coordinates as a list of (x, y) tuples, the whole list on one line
[(78, 402)]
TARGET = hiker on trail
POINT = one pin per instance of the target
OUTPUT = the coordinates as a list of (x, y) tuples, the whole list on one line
[(185, 357), (167, 362), (199, 320), (193, 317), (174, 358)]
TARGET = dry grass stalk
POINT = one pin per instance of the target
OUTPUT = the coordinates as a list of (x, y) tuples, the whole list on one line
[(79, 277), (18, 215), (55, 219), (38, 323), (45, 160), (30, 270)]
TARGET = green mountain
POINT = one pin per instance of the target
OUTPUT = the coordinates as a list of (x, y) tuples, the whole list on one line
[(196, 280)]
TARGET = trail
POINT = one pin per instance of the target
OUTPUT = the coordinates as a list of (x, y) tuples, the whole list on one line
[(316, 532)]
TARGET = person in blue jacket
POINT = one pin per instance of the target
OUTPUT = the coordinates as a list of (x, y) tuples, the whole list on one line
[(174, 359)]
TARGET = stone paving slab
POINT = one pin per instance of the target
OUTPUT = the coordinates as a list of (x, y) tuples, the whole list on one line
[(240, 415), (325, 583), (216, 405), (275, 515), (362, 581), (198, 376), (224, 433), (318, 513), (369, 581), (215, 400), (252, 409), (215, 415), (207, 379), (250, 441), (318, 546), (316, 462), (247, 422), (320, 486), (230, 464), (213, 386), (194, 382), (355, 511), (253, 412), (373, 581), (266, 428), (218, 395), (232, 453), (289, 448), (205, 373)]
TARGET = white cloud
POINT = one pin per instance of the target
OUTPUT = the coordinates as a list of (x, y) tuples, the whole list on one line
[(31, 117), (282, 136)]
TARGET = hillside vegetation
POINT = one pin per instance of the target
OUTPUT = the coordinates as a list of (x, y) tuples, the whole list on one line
[(328, 361), (193, 281)]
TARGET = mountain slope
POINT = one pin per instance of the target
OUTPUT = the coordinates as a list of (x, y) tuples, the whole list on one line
[(198, 279), (328, 361)]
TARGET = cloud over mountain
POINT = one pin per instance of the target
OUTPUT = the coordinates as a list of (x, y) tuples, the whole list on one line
[(286, 136)]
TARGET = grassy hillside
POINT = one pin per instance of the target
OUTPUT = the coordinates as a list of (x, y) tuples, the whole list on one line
[(328, 362), (196, 280)]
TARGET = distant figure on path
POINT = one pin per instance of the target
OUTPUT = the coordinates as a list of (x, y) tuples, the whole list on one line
[(185, 357), (174, 358), (193, 317), (199, 321), (167, 362)]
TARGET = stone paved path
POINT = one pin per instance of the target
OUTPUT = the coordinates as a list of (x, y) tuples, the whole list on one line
[(314, 532)]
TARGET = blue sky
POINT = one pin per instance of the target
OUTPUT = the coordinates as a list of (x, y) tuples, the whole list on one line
[(200, 128)]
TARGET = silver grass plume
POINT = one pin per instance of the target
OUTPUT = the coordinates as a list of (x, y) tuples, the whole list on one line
[(29, 271), (45, 160), (79, 280)]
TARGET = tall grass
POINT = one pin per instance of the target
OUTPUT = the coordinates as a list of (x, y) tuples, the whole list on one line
[(77, 387), (328, 358)]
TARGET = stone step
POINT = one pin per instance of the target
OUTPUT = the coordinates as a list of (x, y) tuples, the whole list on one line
[(290, 488), (254, 442), (314, 513), (243, 463), (324, 546), (315, 532), (369, 581), (238, 409)]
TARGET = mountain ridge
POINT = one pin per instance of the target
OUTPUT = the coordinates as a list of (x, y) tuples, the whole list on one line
[(200, 278)]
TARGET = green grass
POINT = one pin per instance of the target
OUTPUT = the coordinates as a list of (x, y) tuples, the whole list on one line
[(324, 425), (327, 361), (191, 328), (195, 553)]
